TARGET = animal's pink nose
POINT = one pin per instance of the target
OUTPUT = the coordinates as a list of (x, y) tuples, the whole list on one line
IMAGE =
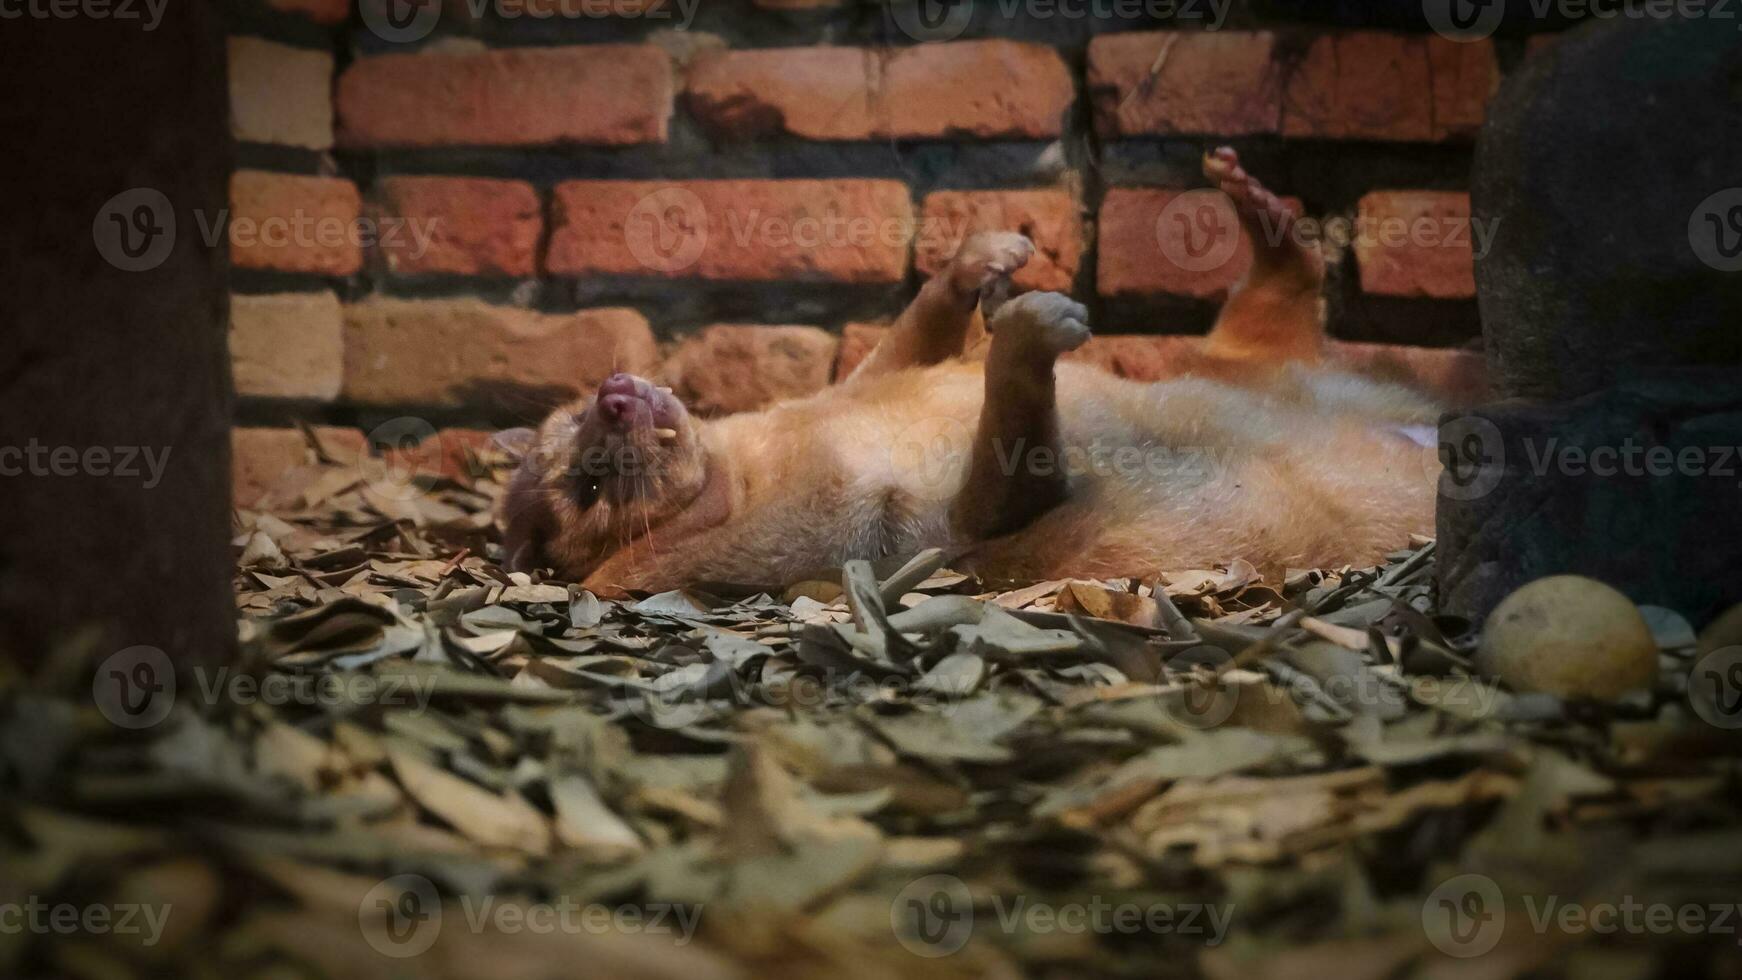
[(620, 383), (620, 409)]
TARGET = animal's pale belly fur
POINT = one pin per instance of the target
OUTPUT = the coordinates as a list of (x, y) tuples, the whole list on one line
[(1309, 469)]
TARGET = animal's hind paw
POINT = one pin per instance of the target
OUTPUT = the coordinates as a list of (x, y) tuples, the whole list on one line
[(988, 257), (1052, 321), (1252, 199)]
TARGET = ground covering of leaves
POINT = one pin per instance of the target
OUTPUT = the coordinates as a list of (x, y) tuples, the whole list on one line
[(426, 767)]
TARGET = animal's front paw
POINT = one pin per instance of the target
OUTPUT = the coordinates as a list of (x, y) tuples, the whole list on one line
[(1052, 321), (988, 257)]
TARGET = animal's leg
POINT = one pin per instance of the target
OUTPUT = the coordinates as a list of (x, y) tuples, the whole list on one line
[(1278, 313), (944, 319), (1017, 472)]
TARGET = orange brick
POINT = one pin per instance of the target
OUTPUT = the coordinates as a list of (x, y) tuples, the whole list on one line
[(280, 94), (1454, 376), (1415, 243), (729, 368), (287, 345), (751, 230), (1048, 217), (466, 352), (1184, 243), (977, 89), (858, 340), (1378, 86), (1215, 83), (472, 226), (269, 466), (292, 223), (450, 453), (603, 94), (1139, 357)]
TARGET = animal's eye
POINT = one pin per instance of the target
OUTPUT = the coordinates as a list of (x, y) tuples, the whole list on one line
[(587, 491)]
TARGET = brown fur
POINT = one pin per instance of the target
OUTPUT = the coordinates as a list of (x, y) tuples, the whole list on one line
[(1255, 452)]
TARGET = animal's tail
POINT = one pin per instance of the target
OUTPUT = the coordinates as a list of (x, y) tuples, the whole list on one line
[(1278, 313)]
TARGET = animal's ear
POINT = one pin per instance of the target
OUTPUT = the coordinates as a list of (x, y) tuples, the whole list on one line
[(515, 442)]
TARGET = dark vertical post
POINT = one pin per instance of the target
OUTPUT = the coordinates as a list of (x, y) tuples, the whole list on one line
[(114, 378)]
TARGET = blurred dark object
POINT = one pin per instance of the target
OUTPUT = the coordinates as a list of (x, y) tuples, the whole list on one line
[(1610, 307), (114, 381)]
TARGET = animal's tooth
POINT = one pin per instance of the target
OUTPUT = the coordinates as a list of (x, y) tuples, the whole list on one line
[(666, 434), (665, 391)]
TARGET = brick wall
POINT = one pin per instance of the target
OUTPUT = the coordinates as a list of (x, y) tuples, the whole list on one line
[(470, 213)]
